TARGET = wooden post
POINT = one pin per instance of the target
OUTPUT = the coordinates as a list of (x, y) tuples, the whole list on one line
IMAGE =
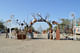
[(57, 33)]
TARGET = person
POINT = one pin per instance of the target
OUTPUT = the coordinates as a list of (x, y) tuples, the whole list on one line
[(54, 35), (30, 34), (48, 35), (7, 36), (14, 33)]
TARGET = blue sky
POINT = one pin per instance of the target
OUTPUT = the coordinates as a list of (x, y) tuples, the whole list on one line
[(23, 9)]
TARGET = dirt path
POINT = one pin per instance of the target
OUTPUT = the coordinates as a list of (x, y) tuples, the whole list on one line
[(38, 46)]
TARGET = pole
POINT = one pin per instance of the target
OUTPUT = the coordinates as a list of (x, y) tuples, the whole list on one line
[(10, 34), (57, 33), (74, 29)]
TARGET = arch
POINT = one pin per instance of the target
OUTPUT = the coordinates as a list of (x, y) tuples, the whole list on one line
[(40, 20), (50, 27)]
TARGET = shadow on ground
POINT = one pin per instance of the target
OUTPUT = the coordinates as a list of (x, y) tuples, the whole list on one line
[(39, 38)]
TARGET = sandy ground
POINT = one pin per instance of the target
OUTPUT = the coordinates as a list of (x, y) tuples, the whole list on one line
[(38, 46)]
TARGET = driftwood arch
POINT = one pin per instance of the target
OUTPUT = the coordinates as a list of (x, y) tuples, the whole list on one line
[(39, 20)]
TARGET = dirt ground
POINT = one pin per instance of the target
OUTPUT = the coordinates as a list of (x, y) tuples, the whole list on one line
[(38, 46)]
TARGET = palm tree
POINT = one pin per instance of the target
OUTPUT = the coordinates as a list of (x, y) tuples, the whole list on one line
[(1, 25), (65, 23)]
